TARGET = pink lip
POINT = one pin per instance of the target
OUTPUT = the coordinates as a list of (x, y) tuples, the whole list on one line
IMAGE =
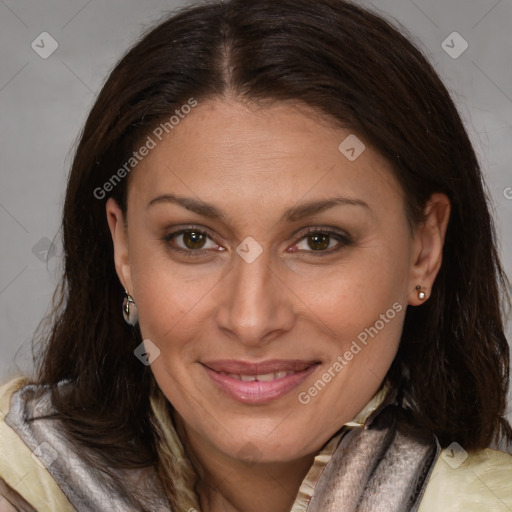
[(258, 392)]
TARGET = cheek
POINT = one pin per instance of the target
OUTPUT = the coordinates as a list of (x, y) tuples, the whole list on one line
[(352, 295), (168, 308), (167, 293)]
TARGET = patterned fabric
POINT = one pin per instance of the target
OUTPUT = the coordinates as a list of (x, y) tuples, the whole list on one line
[(112, 490), (382, 466), (371, 457)]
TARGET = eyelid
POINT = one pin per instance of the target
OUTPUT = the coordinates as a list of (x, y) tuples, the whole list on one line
[(191, 252), (330, 230), (343, 238)]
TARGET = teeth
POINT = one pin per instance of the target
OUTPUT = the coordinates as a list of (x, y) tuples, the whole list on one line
[(232, 375), (267, 377)]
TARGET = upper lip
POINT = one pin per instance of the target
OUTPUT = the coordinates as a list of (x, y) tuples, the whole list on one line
[(260, 368)]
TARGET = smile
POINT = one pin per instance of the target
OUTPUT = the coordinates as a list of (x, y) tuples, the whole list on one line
[(258, 383)]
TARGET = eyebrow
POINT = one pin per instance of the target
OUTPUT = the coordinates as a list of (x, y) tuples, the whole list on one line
[(291, 215)]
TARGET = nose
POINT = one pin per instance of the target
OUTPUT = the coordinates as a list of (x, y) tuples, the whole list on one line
[(256, 305)]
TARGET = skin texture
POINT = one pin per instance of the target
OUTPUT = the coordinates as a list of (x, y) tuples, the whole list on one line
[(292, 302)]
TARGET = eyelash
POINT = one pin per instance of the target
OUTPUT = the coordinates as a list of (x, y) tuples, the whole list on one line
[(344, 240)]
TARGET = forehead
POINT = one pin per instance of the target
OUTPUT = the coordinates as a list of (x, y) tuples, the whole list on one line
[(227, 152)]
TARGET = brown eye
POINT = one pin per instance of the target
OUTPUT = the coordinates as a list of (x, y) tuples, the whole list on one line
[(318, 241), (193, 242), (321, 241), (194, 239)]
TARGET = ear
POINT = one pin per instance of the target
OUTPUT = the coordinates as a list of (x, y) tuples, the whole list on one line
[(117, 226), (428, 242)]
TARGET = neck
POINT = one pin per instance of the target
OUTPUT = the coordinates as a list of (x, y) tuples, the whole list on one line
[(228, 484)]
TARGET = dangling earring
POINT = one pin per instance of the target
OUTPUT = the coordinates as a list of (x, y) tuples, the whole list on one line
[(421, 294), (130, 310)]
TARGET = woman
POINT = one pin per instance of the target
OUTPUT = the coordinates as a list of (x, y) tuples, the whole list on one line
[(281, 287)]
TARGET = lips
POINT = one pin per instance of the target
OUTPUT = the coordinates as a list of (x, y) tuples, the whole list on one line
[(261, 382)]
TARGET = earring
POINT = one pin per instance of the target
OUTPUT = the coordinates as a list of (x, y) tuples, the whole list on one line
[(421, 294), (130, 310)]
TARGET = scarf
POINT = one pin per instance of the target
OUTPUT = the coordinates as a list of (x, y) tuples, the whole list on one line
[(381, 466)]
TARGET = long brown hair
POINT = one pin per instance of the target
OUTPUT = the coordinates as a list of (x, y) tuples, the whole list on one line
[(357, 71)]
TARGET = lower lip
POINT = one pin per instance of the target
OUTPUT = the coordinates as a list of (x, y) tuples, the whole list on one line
[(259, 392)]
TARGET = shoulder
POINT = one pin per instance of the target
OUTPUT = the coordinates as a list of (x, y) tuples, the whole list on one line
[(42, 464), (469, 482), (20, 468)]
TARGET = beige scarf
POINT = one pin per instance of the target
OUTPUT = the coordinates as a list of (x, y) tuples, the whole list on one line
[(381, 466)]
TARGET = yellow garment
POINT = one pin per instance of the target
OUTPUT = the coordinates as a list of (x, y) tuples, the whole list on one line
[(20, 470), (483, 482)]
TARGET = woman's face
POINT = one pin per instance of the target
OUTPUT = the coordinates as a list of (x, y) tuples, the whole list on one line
[(271, 336)]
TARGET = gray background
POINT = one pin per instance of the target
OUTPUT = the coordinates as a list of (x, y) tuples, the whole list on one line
[(44, 102)]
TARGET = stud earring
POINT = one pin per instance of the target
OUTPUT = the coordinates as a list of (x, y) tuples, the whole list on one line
[(130, 310), (421, 294)]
